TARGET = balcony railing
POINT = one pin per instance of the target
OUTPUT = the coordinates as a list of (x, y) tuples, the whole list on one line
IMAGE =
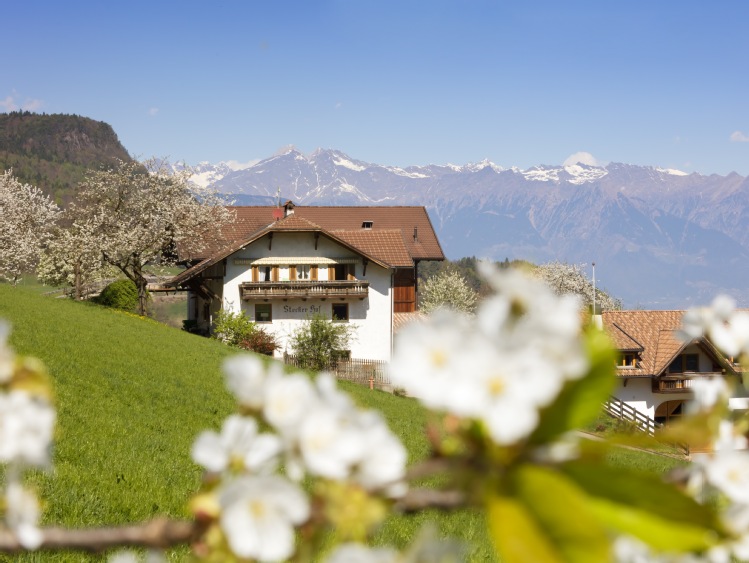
[(681, 383), (252, 291)]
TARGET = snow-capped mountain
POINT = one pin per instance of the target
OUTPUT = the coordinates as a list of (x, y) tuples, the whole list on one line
[(659, 237)]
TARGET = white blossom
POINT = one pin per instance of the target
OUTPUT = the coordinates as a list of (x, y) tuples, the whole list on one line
[(239, 442), (72, 256), (287, 400), (383, 463), (258, 515), (501, 367), (727, 328), (246, 376), (728, 438), (329, 443), (26, 219), (26, 426), (22, 515), (7, 357), (728, 471), (708, 392)]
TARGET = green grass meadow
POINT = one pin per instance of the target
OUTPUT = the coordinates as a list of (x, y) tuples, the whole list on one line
[(132, 394)]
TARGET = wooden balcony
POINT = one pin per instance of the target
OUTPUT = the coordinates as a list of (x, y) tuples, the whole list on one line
[(681, 382), (266, 291)]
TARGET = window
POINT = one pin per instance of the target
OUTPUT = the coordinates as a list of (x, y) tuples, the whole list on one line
[(302, 272), (627, 360), (343, 271), (691, 362), (340, 311), (263, 313), (367, 224), (684, 363)]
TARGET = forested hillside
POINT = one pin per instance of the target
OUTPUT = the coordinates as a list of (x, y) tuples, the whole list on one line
[(53, 152)]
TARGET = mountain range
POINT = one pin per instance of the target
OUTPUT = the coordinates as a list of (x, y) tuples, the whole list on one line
[(660, 238)]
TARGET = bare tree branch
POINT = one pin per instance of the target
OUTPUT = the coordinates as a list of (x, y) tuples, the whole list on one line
[(158, 533), (421, 499)]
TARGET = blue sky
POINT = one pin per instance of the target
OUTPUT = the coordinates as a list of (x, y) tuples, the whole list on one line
[(394, 82)]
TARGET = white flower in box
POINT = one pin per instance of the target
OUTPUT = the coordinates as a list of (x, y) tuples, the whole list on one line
[(287, 400), (26, 427), (238, 444), (258, 515)]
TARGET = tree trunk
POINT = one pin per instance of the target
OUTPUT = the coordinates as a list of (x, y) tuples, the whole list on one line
[(142, 284), (78, 283)]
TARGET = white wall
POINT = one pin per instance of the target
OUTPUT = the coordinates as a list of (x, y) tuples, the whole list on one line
[(638, 394), (371, 317)]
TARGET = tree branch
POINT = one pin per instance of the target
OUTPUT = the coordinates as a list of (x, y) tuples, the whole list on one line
[(421, 499), (158, 533)]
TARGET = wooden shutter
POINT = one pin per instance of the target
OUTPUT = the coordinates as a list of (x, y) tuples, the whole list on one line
[(313, 272), (274, 274), (350, 271), (292, 273), (254, 274)]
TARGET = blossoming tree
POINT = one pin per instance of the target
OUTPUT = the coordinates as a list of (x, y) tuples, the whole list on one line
[(300, 466), (137, 212), (448, 289), (571, 279), (26, 219)]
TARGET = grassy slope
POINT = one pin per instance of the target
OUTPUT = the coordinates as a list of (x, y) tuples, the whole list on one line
[(131, 397)]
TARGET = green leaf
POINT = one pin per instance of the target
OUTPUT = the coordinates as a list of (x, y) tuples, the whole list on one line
[(531, 521), (644, 506), (516, 534), (580, 401)]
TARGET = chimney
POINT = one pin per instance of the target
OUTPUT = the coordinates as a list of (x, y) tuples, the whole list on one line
[(288, 208)]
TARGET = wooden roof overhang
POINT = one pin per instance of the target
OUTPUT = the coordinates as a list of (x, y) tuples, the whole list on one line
[(706, 346)]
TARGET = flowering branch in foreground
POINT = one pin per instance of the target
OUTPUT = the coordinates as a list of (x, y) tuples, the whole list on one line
[(160, 533), (507, 389)]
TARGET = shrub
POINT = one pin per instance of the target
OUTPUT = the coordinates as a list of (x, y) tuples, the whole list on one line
[(260, 341), (232, 328), (319, 341), (120, 294)]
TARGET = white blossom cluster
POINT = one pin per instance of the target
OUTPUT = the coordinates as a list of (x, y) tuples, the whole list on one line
[(26, 219), (501, 366), (316, 430), (726, 327), (572, 279), (26, 428)]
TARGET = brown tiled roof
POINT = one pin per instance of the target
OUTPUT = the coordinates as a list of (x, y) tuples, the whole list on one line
[(655, 332), (402, 319), (385, 244), (385, 248), (425, 246), (623, 341)]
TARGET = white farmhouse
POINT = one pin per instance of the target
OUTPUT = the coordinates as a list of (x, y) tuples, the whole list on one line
[(656, 368), (281, 266)]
